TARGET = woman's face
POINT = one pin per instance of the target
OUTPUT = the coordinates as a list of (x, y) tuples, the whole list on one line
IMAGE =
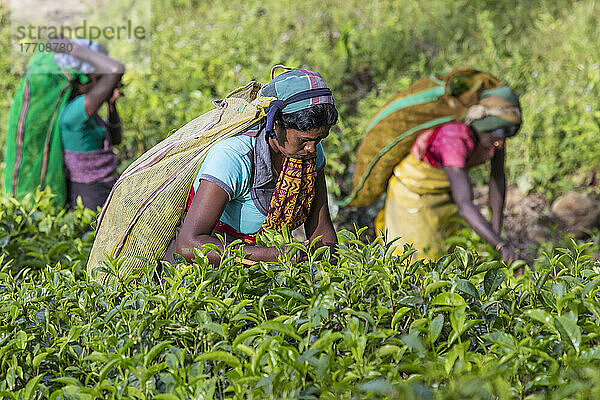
[(497, 137), (488, 140), (298, 144)]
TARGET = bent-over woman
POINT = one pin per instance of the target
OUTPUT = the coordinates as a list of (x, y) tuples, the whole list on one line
[(430, 186), (268, 176)]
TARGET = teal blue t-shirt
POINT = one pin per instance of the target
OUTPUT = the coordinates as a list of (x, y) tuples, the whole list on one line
[(241, 166), (79, 132)]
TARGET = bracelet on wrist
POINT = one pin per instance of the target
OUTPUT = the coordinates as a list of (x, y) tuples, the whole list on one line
[(500, 245)]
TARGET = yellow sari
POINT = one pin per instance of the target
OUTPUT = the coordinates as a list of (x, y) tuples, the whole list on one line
[(419, 208)]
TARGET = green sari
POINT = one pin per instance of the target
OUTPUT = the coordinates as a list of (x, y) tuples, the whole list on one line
[(33, 155)]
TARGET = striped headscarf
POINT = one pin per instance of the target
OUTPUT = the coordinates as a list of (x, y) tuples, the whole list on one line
[(295, 89)]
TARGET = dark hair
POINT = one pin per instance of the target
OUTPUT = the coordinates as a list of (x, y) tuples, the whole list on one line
[(310, 118)]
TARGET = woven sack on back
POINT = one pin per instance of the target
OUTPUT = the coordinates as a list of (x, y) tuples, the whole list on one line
[(33, 155), (146, 204), (425, 104)]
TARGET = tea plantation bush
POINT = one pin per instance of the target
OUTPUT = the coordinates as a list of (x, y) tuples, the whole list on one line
[(372, 326), (547, 50)]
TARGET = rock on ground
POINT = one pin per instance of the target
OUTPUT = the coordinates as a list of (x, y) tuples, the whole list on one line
[(577, 212)]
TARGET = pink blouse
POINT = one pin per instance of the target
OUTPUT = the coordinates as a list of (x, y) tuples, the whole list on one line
[(451, 145)]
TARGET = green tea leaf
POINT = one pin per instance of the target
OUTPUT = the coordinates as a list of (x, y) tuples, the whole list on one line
[(486, 266), (398, 315), (252, 332), (326, 340), (541, 316), (155, 351), (569, 331), (28, 392), (378, 386), (68, 380), (282, 328), (290, 294), (592, 285), (502, 339), (7, 395), (467, 287), (410, 301), (11, 376), (389, 349), (137, 393), (462, 256), (539, 284), (492, 280), (413, 342), (457, 319), (21, 340), (107, 367), (434, 286), (223, 356), (37, 360), (165, 396), (74, 333), (435, 327), (448, 299)]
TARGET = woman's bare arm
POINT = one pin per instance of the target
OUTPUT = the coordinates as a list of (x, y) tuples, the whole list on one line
[(202, 217), (319, 221), (463, 197), (114, 120), (108, 69)]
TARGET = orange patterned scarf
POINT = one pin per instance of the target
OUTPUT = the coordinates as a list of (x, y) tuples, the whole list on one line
[(291, 201), (294, 194)]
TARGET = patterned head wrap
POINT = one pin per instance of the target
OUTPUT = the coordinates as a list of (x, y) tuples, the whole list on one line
[(68, 61), (295, 90), (497, 108)]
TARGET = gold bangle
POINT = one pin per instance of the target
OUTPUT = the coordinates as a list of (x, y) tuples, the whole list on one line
[(500, 245)]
